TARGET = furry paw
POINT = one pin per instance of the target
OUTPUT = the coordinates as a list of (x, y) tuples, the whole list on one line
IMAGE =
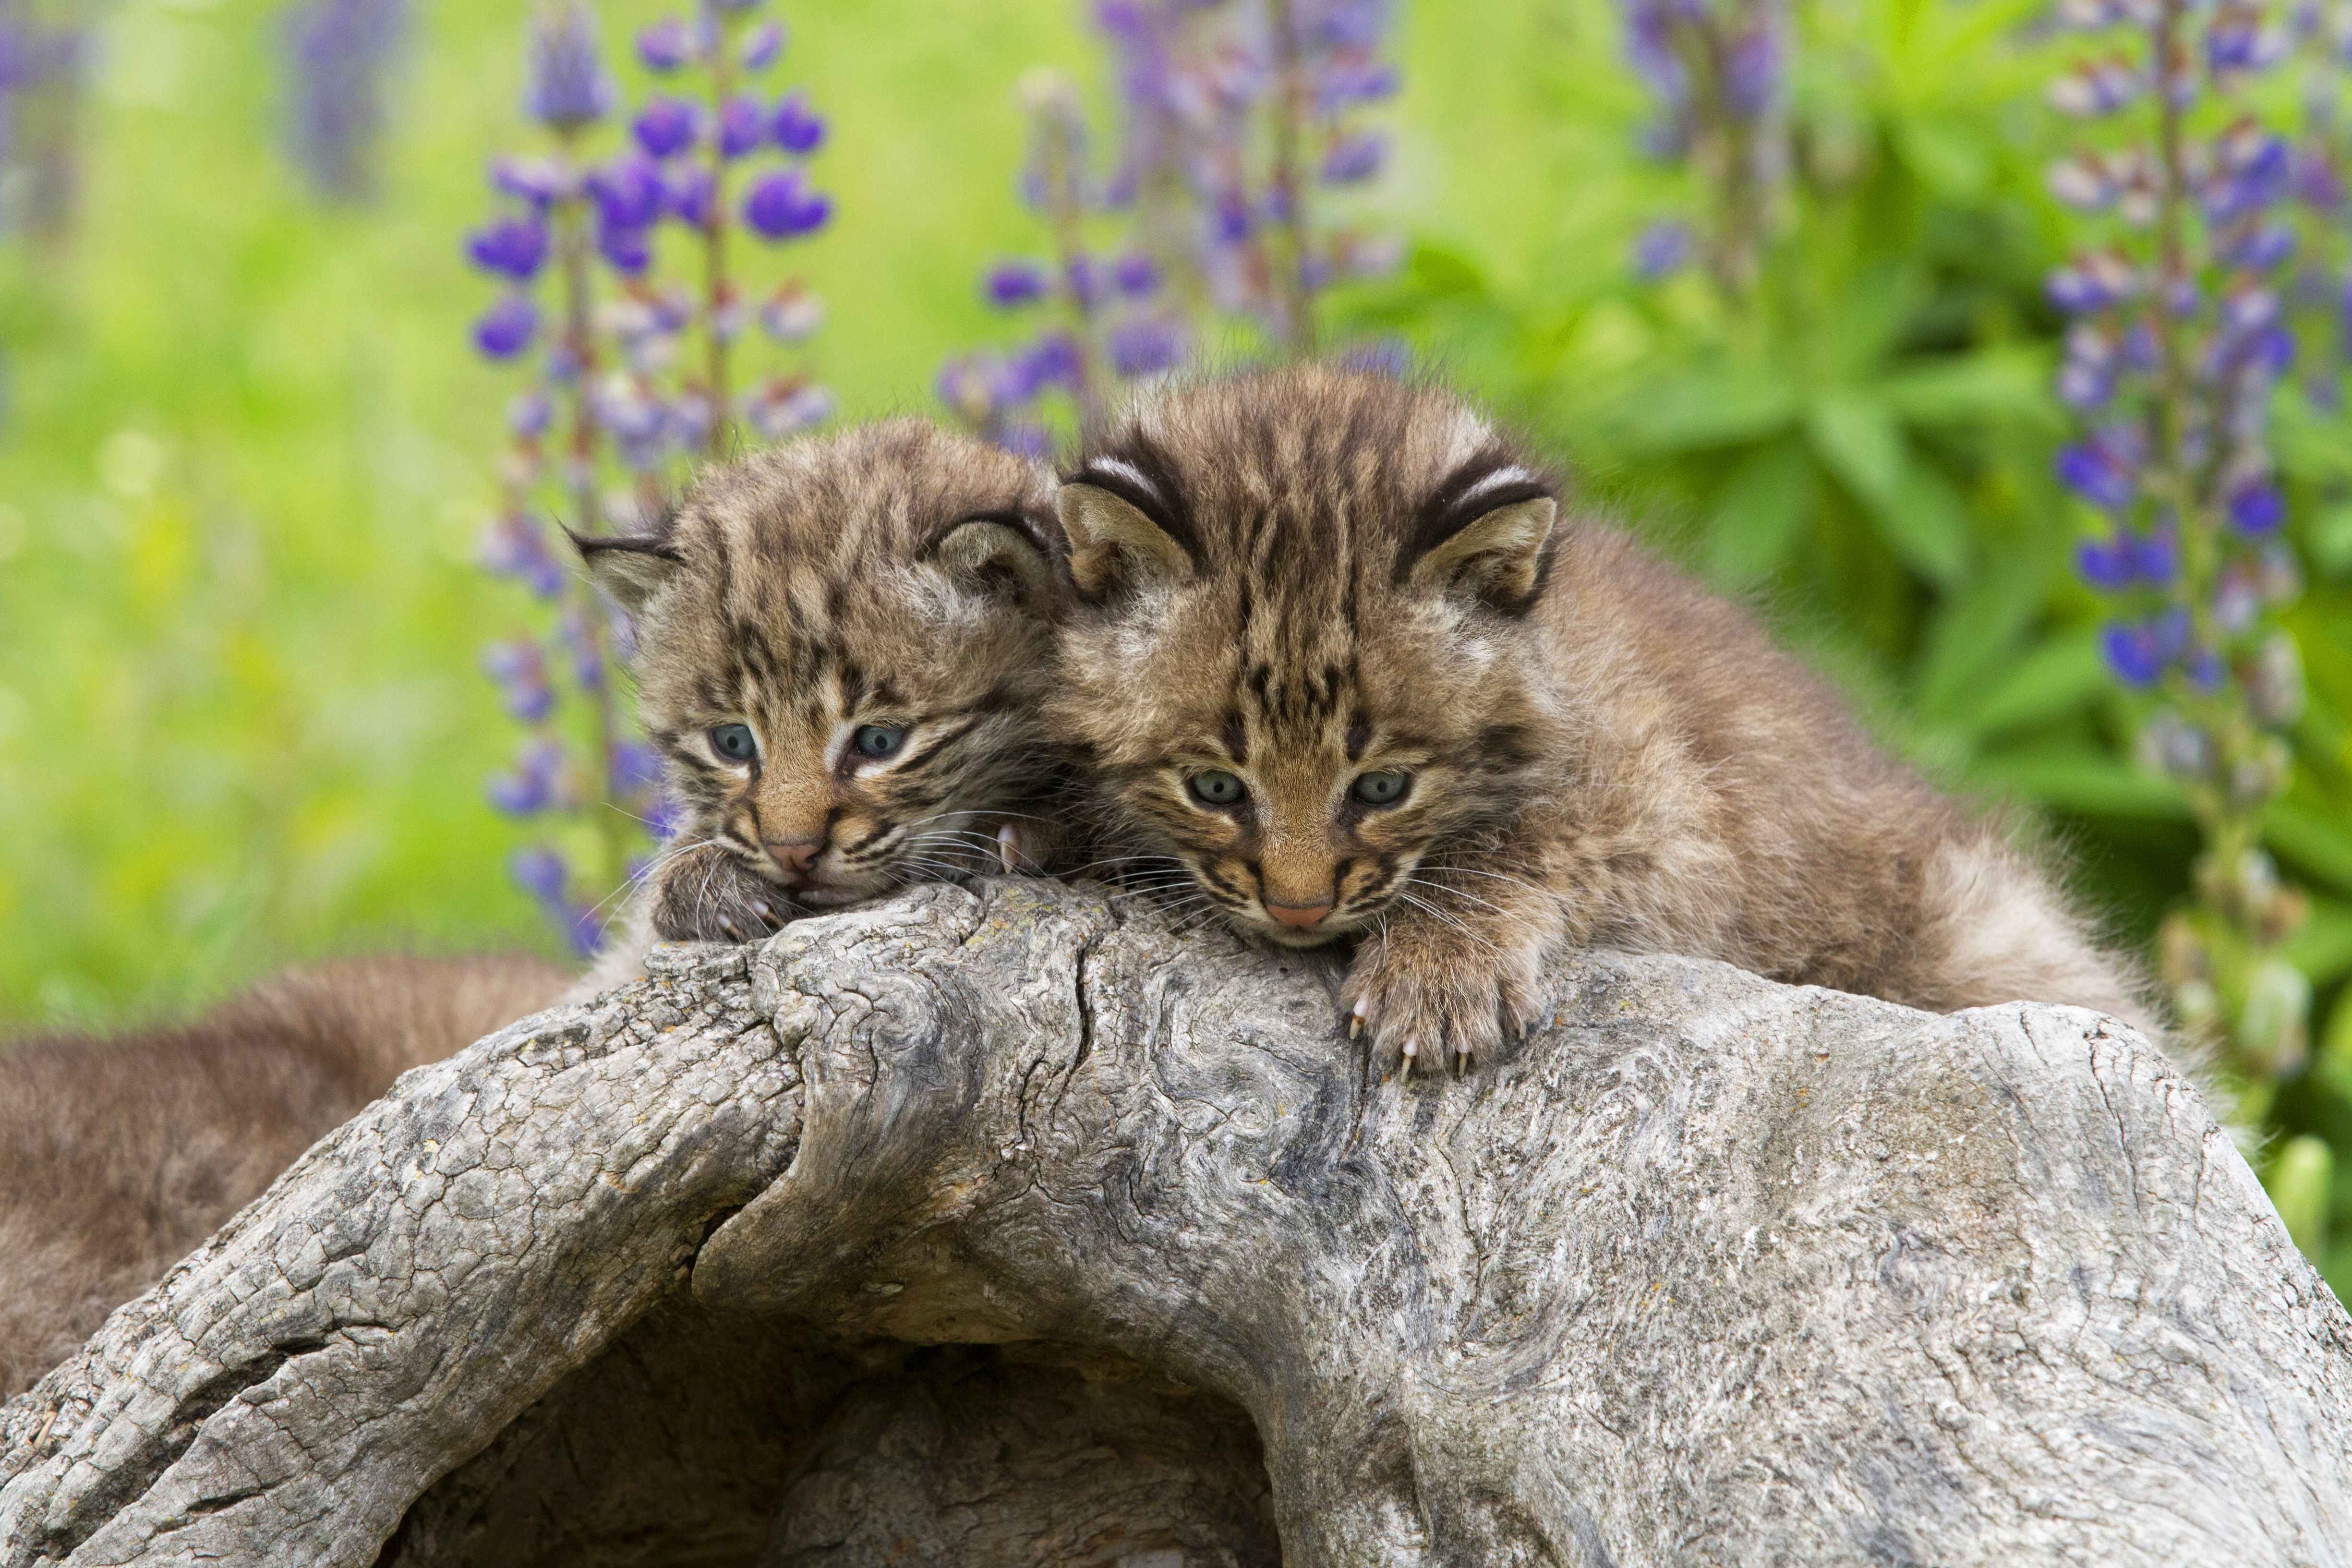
[(709, 895), (1432, 1004)]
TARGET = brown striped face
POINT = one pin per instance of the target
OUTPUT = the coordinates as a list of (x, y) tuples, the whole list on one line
[(1297, 663), (842, 648)]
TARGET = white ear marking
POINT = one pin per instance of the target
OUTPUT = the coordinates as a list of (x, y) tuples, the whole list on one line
[(1511, 474), (1119, 467)]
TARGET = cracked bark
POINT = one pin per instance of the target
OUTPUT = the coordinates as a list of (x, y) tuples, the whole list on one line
[(1005, 1226)]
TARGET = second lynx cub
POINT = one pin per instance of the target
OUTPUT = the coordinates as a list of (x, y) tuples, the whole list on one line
[(1339, 655)]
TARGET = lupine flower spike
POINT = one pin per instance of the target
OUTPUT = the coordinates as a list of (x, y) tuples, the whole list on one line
[(1237, 112), (1718, 70), (633, 374), (2178, 335)]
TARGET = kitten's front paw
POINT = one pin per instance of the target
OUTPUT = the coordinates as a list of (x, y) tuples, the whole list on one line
[(709, 895), (1433, 1004)]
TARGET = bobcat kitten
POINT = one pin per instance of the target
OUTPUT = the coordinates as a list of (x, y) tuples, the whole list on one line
[(1337, 652), (842, 650), (118, 1156)]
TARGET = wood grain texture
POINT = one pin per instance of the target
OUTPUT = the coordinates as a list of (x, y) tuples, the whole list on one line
[(1707, 1271)]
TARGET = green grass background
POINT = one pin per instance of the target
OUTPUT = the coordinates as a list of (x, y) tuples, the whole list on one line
[(246, 449)]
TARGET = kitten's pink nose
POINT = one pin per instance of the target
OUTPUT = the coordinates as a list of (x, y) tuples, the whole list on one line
[(1297, 914), (795, 857)]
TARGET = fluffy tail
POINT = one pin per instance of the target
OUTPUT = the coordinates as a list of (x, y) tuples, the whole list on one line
[(1998, 928)]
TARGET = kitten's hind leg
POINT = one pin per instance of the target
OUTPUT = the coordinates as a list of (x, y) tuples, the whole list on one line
[(706, 894)]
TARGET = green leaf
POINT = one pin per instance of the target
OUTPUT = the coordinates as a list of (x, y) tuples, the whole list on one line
[(1946, 158), (1928, 528), (1760, 515), (1442, 271), (1972, 636), (2328, 541), (1988, 386), (2319, 846), (2057, 681), (1860, 442), (2322, 948), (1695, 411), (1916, 513), (2081, 778)]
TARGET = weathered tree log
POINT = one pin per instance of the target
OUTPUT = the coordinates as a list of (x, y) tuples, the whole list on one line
[(1707, 1270)]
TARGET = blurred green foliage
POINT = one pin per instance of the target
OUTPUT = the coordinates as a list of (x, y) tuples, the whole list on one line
[(245, 453)]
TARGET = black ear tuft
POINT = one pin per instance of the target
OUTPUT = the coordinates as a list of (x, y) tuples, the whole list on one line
[(1486, 534), (1124, 517), (631, 567)]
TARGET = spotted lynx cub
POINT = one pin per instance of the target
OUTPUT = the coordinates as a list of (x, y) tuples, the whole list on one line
[(1336, 651), (843, 646)]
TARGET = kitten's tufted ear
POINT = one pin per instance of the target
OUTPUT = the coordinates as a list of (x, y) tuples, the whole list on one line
[(997, 552), (632, 568), (1484, 535), (1119, 529)]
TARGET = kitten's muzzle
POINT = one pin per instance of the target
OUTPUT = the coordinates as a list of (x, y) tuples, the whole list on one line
[(1298, 916), (796, 855)]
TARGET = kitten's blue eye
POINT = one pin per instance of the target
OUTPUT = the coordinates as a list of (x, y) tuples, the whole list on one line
[(1217, 788), (1381, 789), (734, 742), (878, 740)]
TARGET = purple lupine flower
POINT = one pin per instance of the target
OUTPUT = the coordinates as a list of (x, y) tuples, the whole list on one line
[(518, 669), (779, 208), (1010, 284), (535, 783), (529, 416), (536, 181), (341, 51), (2256, 509), (1135, 275), (515, 246), (798, 129), (569, 90), (1354, 157), (667, 126), (625, 248), (636, 767), (742, 127), (2097, 473), (1053, 360), (761, 48), (540, 871), (628, 190), (688, 191), (2105, 564), (2131, 652), (1146, 347), (667, 46), (792, 314), (506, 328), (1662, 249), (514, 545)]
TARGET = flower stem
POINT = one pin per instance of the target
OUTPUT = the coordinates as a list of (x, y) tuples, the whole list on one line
[(572, 247), (715, 301), (1297, 321)]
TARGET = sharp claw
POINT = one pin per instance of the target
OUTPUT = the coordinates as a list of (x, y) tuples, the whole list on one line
[(1412, 1050), (728, 927), (1008, 849), (1354, 1025)]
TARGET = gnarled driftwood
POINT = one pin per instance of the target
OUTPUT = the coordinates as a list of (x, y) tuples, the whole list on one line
[(1007, 1226)]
